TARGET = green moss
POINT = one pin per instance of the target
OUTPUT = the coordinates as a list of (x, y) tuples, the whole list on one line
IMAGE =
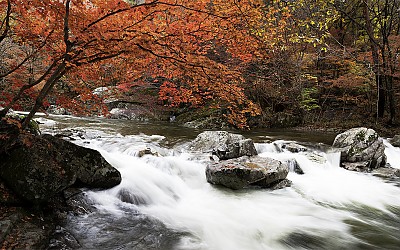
[(372, 138), (360, 136)]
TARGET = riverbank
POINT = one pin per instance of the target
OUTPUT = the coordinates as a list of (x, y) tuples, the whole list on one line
[(382, 129)]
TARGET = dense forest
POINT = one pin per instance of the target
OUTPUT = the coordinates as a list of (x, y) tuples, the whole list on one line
[(250, 63)]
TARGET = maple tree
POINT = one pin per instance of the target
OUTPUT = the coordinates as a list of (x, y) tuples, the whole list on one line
[(162, 38)]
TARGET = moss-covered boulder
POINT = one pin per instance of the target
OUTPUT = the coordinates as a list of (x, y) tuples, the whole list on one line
[(361, 149)]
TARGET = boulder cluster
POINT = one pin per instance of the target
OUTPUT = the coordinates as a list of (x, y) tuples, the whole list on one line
[(236, 164)]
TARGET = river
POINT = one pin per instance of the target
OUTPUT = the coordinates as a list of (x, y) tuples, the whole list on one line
[(166, 203)]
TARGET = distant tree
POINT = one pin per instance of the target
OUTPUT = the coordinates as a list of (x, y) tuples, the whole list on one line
[(379, 21)]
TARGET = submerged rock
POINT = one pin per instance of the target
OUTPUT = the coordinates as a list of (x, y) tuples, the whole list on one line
[(387, 172), (294, 147), (223, 144), (147, 151), (257, 171), (63, 239), (361, 149)]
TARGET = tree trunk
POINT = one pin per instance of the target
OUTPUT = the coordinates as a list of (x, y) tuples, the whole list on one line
[(391, 98), (380, 104), (60, 71), (381, 100)]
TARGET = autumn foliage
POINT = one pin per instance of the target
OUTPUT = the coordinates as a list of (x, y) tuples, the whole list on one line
[(75, 40), (245, 58)]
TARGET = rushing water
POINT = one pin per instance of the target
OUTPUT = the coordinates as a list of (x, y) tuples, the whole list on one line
[(165, 202)]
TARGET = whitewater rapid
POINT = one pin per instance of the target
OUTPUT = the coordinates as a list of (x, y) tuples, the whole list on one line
[(323, 208)]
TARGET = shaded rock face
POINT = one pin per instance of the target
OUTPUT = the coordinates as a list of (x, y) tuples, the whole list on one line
[(92, 170), (8, 197), (395, 141), (223, 144), (256, 171), (361, 149), (293, 166), (36, 173), (43, 166)]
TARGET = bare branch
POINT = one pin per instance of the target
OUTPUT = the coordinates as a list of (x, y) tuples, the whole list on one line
[(28, 57)]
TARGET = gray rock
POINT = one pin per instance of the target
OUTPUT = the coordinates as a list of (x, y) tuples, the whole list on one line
[(132, 198), (5, 228), (257, 171), (131, 111), (395, 141), (77, 201), (361, 149), (294, 147), (56, 110), (62, 239), (281, 184), (147, 151), (386, 172), (223, 144)]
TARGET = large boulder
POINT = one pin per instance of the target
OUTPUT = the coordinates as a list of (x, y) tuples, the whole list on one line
[(35, 170), (256, 171), (92, 170), (223, 144), (39, 167), (361, 149)]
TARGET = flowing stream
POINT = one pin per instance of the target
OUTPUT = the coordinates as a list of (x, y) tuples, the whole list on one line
[(164, 202)]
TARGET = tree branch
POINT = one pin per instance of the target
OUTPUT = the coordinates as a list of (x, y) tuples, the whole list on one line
[(7, 22)]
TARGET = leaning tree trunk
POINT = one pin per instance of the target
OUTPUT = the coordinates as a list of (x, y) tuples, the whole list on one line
[(60, 71)]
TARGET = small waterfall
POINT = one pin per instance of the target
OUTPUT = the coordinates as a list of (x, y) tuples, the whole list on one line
[(392, 154), (333, 158)]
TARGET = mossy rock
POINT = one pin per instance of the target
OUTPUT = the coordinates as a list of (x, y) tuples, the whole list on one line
[(362, 146)]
